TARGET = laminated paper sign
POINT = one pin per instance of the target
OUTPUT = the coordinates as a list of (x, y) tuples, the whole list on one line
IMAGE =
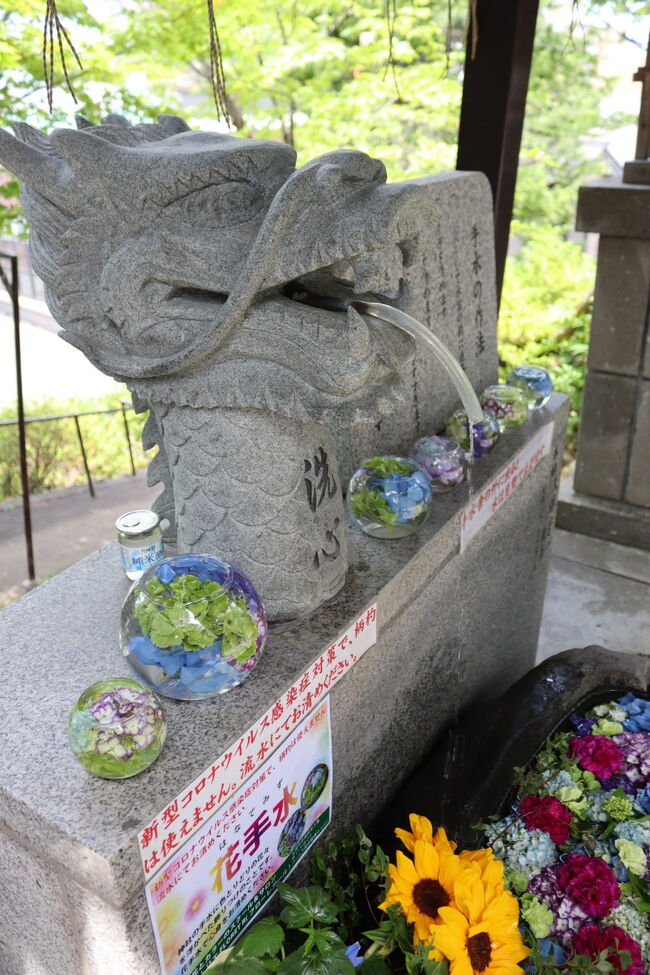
[(188, 812), (486, 502), (220, 878)]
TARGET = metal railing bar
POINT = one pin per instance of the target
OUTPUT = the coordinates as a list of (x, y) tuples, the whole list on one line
[(65, 416), (84, 458)]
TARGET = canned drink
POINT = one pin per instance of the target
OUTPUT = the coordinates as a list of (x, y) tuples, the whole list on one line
[(141, 542)]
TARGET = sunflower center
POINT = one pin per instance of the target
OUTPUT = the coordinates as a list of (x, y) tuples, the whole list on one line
[(429, 896), (479, 949)]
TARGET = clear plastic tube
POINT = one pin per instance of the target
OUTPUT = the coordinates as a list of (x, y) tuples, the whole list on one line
[(393, 316)]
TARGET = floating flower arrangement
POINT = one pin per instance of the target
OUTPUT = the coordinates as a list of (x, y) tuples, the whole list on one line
[(561, 885)]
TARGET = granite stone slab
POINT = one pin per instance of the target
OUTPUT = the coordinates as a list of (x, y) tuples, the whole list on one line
[(614, 521), (638, 482), (604, 438), (452, 628), (620, 305), (614, 209)]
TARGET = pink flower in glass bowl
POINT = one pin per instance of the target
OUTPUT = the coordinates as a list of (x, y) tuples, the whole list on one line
[(591, 883), (592, 940), (597, 754), (547, 814)]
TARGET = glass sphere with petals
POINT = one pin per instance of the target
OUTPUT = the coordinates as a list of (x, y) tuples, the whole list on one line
[(485, 435), (193, 627), (508, 404), (117, 728), (389, 497), (442, 460), (535, 382)]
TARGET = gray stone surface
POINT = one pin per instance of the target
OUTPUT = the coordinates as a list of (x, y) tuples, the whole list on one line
[(638, 483), (177, 261), (451, 627), (612, 458), (604, 438), (37, 928), (609, 557), (615, 521), (620, 305), (614, 209), (587, 604)]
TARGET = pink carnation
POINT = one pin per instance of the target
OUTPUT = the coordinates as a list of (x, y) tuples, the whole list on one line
[(547, 814), (590, 882), (591, 940), (597, 754)]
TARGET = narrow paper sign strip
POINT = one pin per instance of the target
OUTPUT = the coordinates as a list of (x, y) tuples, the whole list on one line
[(218, 880), (481, 508), (163, 836)]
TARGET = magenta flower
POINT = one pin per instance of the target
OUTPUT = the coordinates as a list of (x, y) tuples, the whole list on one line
[(548, 814), (590, 882), (597, 754), (591, 940)]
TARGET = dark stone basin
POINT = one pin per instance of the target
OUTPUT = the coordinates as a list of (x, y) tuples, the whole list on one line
[(469, 775)]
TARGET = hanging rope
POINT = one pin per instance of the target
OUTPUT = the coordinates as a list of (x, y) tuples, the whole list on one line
[(217, 76), (51, 27), (390, 13)]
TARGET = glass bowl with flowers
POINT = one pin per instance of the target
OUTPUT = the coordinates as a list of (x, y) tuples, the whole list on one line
[(193, 626)]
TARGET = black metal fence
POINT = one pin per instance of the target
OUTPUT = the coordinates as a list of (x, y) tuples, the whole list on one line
[(10, 281)]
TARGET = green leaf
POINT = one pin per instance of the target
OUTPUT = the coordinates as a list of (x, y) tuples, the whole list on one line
[(374, 966), (299, 964), (264, 938), (305, 906)]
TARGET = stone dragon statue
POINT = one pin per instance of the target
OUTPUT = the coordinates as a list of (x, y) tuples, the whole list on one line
[(177, 261)]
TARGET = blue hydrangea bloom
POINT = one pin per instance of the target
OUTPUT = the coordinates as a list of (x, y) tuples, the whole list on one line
[(643, 800), (166, 574), (638, 713), (353, 953), (404, 492)]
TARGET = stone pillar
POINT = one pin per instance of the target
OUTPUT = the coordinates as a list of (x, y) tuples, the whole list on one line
[(611, 490)]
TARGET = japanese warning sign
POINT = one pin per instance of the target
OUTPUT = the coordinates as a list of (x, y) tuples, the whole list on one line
[(222, 876), (160, 840)]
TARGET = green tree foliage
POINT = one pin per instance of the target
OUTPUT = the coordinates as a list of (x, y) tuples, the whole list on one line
[(102, 87)]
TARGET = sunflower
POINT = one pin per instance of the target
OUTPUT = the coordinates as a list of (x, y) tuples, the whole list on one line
[(423, 830), (480, 936), (490, 868), (424, 885)]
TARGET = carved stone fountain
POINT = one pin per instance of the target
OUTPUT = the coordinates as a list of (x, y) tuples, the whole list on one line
[(173, 259)]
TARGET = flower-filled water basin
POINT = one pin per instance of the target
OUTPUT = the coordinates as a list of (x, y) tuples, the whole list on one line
[(117, 728), (389, 497), (193, 627)]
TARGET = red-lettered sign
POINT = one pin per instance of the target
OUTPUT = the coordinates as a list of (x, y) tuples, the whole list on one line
[(481, 507), (190, 809)]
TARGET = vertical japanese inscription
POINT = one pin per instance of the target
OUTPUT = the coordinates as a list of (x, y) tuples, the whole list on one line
[(321, 487), (477, 291)]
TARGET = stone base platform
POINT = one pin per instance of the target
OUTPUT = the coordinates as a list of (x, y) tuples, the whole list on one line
[(615, 521), (453, 627)]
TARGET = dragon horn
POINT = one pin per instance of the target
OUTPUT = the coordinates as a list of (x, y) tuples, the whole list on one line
[(42, 171)]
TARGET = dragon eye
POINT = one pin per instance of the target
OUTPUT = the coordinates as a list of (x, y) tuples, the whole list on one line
[(221, 204)]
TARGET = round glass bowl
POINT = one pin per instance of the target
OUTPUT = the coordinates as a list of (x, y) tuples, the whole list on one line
[(485, 434), (442, 460), (535, 383), (389, 497), (193, 627), (117, 728), (507, 403)]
